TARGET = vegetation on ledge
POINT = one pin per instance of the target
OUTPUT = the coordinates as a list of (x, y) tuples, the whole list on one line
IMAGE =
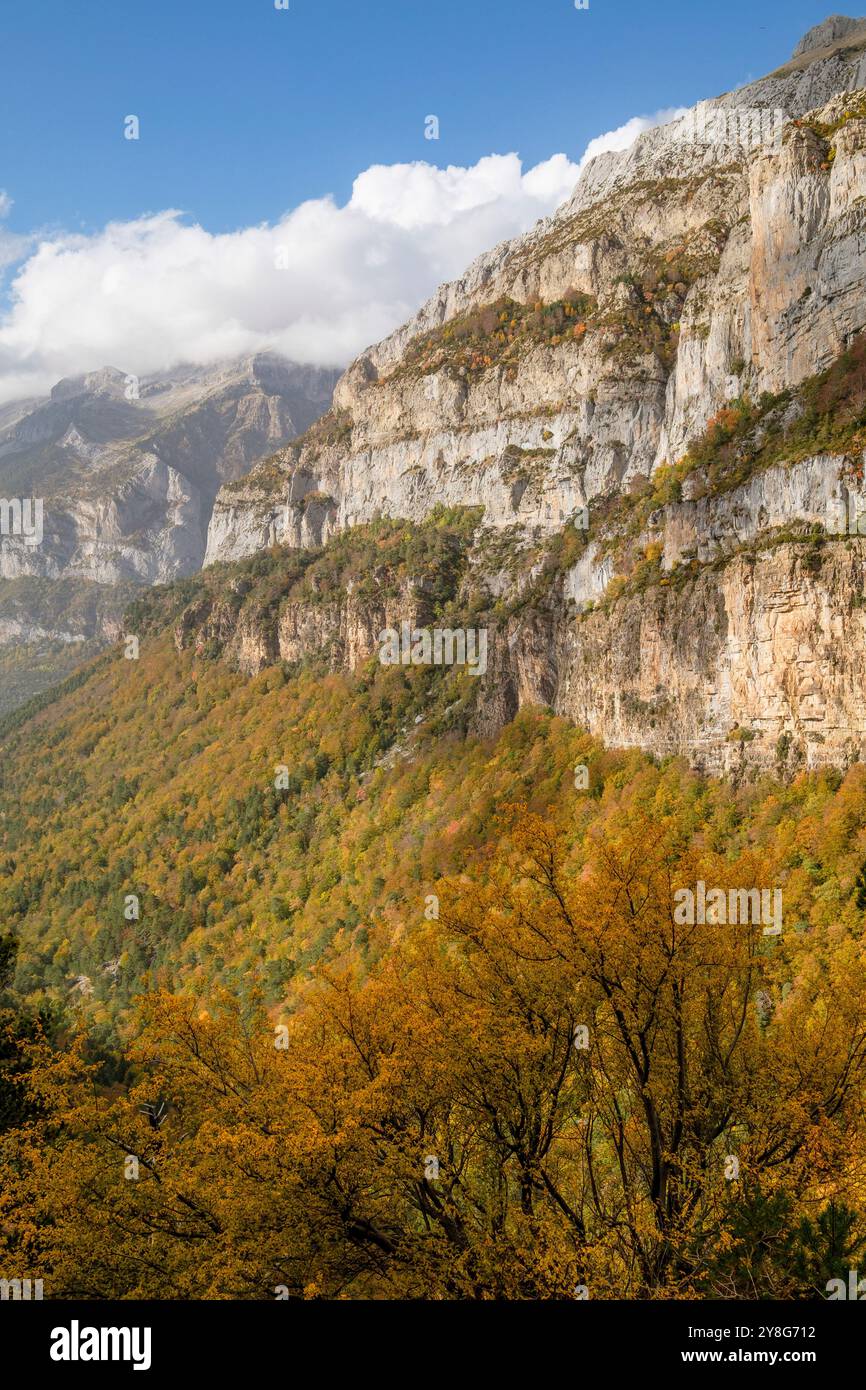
[(496, 335)]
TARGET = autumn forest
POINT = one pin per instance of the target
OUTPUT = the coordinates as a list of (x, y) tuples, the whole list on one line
[(421, 1019)]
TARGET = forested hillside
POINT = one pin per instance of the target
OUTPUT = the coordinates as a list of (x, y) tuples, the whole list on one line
[(433, 846), (416, 1017)]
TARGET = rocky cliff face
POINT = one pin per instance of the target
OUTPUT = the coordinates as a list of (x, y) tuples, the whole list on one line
[(742, 644), (126, 472), (829, 33), (128, 469), (717, 263), (721, 255)]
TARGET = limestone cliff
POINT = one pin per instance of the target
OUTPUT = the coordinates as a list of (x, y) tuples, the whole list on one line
[(732, 634), (700, 265), (126, 472), (671, 371), (128, 469)]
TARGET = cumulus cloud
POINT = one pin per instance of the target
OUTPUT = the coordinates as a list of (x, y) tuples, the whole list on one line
[(320, 284)]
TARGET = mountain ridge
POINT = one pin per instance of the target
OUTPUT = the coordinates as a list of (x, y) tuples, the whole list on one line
[(127, 470), (687, 280)]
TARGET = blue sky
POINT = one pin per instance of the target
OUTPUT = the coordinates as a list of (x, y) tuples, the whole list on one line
[(246, 111), (281, 193)]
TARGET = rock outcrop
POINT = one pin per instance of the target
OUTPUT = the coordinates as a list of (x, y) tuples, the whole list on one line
[(829, 33), (128, 469), (705, 263), (742, 646), (720, 260), (126, 472)]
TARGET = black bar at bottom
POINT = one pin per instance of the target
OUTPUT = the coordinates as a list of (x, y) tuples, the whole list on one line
[(83, 1339)]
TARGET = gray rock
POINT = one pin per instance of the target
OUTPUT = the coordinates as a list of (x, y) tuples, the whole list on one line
[(829, 32), (128, 485), (757, 652)]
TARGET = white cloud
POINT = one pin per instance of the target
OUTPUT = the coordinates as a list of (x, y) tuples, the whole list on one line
[(148, 294)]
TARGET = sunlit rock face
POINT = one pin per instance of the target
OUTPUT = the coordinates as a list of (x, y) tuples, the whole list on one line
[(720, 255), (719, 258)]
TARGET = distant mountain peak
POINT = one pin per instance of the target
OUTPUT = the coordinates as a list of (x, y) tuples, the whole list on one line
[(106, 381), (829, 31)]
